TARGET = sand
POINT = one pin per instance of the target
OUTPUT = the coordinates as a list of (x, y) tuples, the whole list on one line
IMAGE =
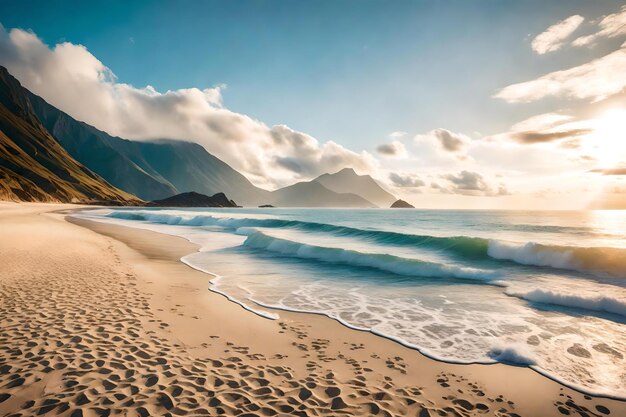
[(100, 320)]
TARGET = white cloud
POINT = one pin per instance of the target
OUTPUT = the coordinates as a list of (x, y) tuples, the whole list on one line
[(546, 128), (394, 149), (451, 142), (397, 134), (595, 80), (470, 183), (610, 26), (552, 38), (69, 77), (446, 140), (405, 180), (541, 121)]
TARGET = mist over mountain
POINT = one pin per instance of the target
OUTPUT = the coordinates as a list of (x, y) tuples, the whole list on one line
[(150, 170), (314, 194), (50, 156)]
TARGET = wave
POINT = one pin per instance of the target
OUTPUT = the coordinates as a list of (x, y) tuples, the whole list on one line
[(513, 353), (595, 260), (593, 302), (603, 261), (383, 262)]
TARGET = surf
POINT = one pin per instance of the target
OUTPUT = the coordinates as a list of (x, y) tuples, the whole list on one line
[(599, 261)]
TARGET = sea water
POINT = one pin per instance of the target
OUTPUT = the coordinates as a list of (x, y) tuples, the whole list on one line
[(539, 289)]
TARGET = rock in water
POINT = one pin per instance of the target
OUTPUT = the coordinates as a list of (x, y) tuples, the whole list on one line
[(193, 199), (401, 204)]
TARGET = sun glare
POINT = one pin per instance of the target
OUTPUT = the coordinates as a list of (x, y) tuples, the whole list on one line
[(610, 137)]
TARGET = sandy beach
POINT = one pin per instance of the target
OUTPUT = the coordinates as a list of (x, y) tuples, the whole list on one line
[(103, 320)]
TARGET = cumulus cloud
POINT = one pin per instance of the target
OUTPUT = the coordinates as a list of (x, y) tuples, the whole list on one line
[(405, 180), (69, 77), (447, 140), (552, 38), (393, 149), (451, 142), (470, 183), (610, 26), (595, 80), (307, 157)]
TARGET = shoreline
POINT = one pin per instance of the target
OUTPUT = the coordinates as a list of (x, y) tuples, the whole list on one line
[(197, 248), (351, 372)]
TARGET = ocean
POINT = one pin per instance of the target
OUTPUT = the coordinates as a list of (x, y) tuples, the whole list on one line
[(540, 289)]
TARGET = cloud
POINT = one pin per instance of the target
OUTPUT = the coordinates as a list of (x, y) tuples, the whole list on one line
[(611, 171), (541, 121), (470, 183), (307, 158), (549, 127), (405, 180), (452, 142), (595, 80), (393, 149), (447, 140), (552, 38), (610, 26), (69, 77), (540, 137), (465, 180), (397, 134)]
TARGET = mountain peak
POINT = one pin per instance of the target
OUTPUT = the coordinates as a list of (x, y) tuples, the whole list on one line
[(348, 181), (348, 170)]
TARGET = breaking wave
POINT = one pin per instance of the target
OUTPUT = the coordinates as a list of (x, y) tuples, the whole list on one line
[(600, 261), (593, 302), (384, 262)]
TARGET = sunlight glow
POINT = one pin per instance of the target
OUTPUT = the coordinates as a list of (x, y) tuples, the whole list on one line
[(610, 137)]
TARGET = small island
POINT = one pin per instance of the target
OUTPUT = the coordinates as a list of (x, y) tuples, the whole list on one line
[(401, 204), (193, 199)]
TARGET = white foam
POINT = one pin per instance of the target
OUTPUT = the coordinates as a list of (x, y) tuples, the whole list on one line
[(589, 301), (471, 324), (381, 261), (513, 353), (532, 254)]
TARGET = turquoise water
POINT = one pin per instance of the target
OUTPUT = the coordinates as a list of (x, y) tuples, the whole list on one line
[(540, 289)]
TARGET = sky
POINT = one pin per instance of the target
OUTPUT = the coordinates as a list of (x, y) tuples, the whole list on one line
[(457, 104)]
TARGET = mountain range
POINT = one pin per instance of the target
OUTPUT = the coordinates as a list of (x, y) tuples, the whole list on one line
[(34, 166), (47, 155)]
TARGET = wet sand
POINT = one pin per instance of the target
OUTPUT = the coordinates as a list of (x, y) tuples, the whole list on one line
[(99, 319)]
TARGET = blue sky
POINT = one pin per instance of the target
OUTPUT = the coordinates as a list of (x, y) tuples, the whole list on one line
[(342, 70), (342, 76)]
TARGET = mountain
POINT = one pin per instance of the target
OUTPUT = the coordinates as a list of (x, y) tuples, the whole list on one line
[(314, 194), (158, 169), (348, 181), (72, 160), (195, 200), (401, 204), (149, 169), (34, 166)]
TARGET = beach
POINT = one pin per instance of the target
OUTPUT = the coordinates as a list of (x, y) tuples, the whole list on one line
[(101, 319)]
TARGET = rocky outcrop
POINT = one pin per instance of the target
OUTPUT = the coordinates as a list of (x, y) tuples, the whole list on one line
[(401, 204), (193, 199), (34, 166)]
